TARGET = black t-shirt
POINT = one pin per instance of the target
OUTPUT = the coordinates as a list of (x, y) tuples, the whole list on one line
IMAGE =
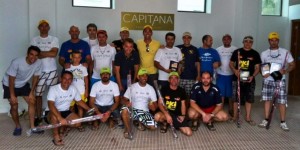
[(173, 99), (119, 45), (190, 56), (248, 60), (207, 99), (127, 63)]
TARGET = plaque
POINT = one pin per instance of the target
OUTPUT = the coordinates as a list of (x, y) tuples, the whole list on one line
[(173, 65), (265, 68), (244, 75)]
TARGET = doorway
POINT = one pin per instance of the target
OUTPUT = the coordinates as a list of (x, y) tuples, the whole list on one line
[(294, 76)]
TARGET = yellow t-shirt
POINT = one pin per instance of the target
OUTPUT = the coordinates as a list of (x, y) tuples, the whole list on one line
[(147, 58)]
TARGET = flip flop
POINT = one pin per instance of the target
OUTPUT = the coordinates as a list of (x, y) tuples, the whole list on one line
[(251, 122), (81, 129), (58, 142)]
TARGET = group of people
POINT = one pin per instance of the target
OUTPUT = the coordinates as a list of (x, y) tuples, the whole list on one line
[(118, 80)]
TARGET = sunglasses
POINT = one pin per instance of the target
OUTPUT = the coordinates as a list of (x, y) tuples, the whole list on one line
[(147, 48)]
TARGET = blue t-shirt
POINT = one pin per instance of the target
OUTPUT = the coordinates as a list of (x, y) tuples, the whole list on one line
[(189, 57), (127, 63), (207, 58), (68, 47), (207, 99)]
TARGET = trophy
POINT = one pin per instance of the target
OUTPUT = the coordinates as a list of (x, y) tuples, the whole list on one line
[(244, 75)]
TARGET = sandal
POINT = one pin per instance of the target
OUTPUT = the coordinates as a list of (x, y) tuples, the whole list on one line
[(94, 128), (81, 129), (141, 127), (251, 122), (58, 142), (194, 126), (163, 128)]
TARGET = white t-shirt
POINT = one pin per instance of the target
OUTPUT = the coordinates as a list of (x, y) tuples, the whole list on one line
[(91, 42), (276, 56), (164, 56), (23, 72), (140, 96), (105, 94), (79, 72), (46, 44), (63, 98), (102, 57), (225, 55)]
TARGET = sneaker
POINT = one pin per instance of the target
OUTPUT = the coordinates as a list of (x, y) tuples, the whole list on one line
[(33, 131), (263, 124), (211, 127), (17, 132), (284, 127), (120, 123)]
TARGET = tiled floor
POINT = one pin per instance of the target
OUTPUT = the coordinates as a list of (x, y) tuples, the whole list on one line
[(227, 136)]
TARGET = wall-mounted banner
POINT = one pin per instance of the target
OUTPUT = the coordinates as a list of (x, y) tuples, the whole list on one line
[(136, 21)]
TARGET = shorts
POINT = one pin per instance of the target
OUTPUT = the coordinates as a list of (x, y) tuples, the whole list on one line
[(187, 85), (103, 109), (246, 91), (178, 124), (65, 114), (46, 79), (269, 89), (82, 98), (22, 91), (209, 109), (145, 117), (225, 85)]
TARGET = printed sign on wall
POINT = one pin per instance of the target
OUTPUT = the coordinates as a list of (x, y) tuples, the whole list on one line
[(136, 21)]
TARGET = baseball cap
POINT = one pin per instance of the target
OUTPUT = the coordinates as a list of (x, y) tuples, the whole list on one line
[(273, 35), (187, 34), (142, 71), (227, 35), (148, 26), (43, 21), (248, 37), (102, 32), (104, 70), (124, 29), (173, 73)]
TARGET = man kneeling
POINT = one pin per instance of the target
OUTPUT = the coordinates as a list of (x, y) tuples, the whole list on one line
[(140, 97), (174, 113), (59, 98), (206, 102)]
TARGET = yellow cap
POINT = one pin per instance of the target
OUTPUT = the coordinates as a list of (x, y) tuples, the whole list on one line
[(104, 70), (173, 74), (142, 71), (273, 35), (43, 21), (148, 26), (124, 29)]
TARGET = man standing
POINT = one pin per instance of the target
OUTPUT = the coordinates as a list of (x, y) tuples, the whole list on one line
[(103, 55), (167, 59), (276, 55), (91, 29), (124, 34), (59, 98), (189, 69), (141, 97), (105, 97), (126, 63), (224, 73), (206, 103), (174, 112), (245, 63), (74, 44), (147, 48), (20, 71), (209, 57), (49, 47)]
